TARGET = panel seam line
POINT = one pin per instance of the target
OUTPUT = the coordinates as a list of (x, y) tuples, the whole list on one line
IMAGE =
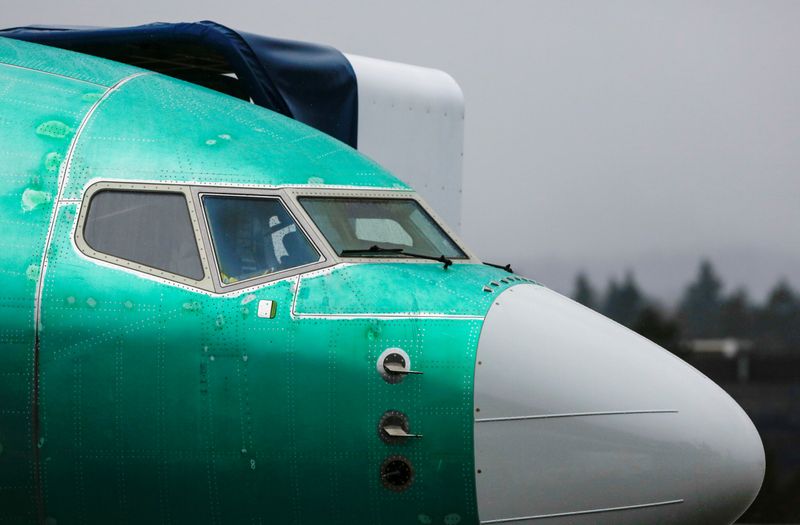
[(63, 175), (577, 414), (581, 512), (59, 75), (62, 183)]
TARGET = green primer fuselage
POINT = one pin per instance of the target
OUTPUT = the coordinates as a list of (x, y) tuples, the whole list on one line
[(136, 400)]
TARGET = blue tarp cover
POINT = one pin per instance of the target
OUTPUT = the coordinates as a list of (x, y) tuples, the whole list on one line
[(308, 82)]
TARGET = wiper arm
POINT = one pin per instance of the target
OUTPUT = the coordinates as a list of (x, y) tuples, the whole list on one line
[(378, 249), (372, 249), (507, 267), (442, 259)]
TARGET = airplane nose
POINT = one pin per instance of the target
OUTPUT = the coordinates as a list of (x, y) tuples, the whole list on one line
[(579, 420)]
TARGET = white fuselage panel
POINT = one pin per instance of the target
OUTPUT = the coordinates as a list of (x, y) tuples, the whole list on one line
[(411, 121), (580, 420)]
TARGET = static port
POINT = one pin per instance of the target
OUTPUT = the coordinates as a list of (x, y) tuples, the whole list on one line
[(397, 474)]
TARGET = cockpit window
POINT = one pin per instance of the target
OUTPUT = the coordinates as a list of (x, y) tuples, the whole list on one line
[(255, 236), (151, 228), (354, 224)]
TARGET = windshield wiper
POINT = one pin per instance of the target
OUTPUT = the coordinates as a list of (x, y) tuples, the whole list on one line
[(507, 267), (372, 249), (378, 249)]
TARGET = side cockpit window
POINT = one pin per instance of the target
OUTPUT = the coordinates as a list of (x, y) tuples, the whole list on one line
[(255, 236), (206, 238), (149, 228)]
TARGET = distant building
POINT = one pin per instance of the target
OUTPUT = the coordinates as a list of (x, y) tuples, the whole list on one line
[(729, 348)]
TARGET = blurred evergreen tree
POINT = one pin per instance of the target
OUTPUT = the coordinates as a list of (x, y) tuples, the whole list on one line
[(583, 292), (654, 325), (737, 316), (624, 302), (703, 312), (778, 325), (699, 310)]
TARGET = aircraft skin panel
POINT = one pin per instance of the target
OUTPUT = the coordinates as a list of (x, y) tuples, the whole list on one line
[(74, 66), (158, 128), (38, 115), (128, 444), (413, 290), (159, 401)]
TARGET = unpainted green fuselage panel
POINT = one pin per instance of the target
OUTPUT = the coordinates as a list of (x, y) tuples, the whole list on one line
[(126, 399)]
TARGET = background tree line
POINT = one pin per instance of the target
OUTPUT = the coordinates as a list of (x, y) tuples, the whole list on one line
[(704, 311)]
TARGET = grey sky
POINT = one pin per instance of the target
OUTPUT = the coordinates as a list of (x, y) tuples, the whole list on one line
[(600, 135)]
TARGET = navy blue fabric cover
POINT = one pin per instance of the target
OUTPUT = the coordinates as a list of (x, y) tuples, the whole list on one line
[(311, 83)]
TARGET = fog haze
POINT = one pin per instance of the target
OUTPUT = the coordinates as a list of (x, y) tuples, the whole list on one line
[(602, 136)]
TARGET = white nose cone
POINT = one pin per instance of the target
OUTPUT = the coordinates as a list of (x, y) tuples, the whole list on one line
[(580, 420)]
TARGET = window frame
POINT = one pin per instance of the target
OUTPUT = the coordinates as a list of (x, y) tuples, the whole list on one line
[(206, 283), (288, 196), (298, 215), (298, 193)]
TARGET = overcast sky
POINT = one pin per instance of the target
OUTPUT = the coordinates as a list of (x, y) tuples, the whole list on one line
[(601, 136)]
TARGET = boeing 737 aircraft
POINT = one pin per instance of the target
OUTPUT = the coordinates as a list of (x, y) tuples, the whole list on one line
[(212, 313)]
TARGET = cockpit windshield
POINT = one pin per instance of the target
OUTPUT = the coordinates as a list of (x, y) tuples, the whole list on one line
[(376, 227), (255, 236)]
